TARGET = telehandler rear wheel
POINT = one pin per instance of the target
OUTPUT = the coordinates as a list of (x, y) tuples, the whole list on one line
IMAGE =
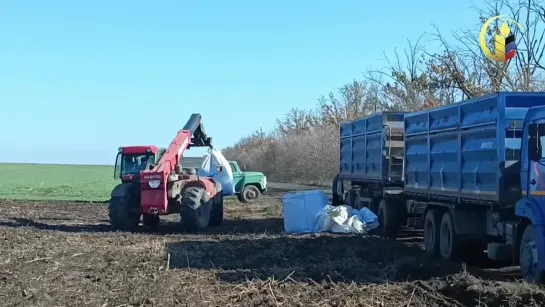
[(216, 216), (195, 209), (121, 218), (151, 221)]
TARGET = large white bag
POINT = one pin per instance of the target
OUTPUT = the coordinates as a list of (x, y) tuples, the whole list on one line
[(209, 169), (345, 219)]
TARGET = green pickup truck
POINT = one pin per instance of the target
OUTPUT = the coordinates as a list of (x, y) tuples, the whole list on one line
[(248, 185)]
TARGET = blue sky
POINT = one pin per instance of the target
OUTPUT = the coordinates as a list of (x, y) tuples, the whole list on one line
[(80, 78)]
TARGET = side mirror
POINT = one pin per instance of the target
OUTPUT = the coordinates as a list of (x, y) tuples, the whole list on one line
[(244, 167)]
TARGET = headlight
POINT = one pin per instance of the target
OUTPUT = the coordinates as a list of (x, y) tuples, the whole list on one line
[(154, 184)]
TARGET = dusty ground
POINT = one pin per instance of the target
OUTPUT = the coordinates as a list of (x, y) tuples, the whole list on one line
[(64, 254)]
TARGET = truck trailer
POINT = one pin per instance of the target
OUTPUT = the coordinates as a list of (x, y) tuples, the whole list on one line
[(471, 174)]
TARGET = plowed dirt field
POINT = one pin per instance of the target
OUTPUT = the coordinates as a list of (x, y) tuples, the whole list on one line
[(65, 254)]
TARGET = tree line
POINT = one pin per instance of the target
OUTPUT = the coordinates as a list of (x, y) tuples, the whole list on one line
[(304, 146)]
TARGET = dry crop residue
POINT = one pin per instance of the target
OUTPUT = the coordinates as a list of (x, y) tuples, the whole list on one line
[(64, 254)]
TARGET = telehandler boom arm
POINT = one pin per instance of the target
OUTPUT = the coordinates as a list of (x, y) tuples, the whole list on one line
[(154, 182)]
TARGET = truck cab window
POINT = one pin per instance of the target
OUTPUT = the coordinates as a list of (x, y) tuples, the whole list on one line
[(512, 149), (536, 138), (513, 142), (541, 141)]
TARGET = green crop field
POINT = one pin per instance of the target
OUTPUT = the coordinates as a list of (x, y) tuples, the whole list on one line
[(56, 182)]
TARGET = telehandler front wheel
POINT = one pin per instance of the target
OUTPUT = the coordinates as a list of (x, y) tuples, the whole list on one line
[(195, 209), (121, 218)]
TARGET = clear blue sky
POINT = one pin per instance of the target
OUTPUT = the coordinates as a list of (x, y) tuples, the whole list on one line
[(80, 78)]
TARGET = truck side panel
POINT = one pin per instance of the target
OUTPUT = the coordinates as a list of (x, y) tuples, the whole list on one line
[(452, 152), (463, 152), (366, 147)]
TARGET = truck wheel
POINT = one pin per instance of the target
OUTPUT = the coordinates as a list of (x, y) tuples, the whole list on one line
[(528, 257), (431, 232), (357, 201), (250, 194), (151, 221), (216, 216), (337, 192), (120, 216), (447, 237), (388, 218), (195, 211)]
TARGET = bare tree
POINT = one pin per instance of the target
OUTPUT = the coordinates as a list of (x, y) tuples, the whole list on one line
[(409, 85), (305, 145), (471, 72), (296, 121), (351, 102)]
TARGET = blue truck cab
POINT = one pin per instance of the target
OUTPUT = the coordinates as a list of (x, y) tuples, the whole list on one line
[(471, 174)]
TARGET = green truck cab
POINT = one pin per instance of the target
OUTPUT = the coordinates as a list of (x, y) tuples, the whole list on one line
[(249, 186)]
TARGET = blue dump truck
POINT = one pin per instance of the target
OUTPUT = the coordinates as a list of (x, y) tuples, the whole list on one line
[(471, 174)]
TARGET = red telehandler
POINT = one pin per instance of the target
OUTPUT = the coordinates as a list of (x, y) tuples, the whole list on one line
[(154, 183)]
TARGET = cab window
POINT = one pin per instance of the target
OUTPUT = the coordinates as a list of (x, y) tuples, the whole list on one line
[(134, 164), (536, 139)]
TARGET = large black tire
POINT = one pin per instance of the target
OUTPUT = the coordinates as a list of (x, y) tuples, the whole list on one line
[(448, 244), (432, 222), (195, 209), (216, 216), (389, 219), (528, 262), (336, 197), (120, 216), (151, 221), (250, 194)]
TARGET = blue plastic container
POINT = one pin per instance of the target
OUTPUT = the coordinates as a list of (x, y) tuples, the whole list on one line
[(300, 210)]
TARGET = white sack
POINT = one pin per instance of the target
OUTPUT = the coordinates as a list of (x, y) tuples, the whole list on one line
[(323, 220), (209, 169), (351, 225), (345, 219)]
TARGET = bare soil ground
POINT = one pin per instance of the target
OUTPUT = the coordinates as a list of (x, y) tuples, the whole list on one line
[(64, 254)]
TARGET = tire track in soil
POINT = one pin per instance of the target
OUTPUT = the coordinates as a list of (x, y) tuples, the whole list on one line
[(246, 261)]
